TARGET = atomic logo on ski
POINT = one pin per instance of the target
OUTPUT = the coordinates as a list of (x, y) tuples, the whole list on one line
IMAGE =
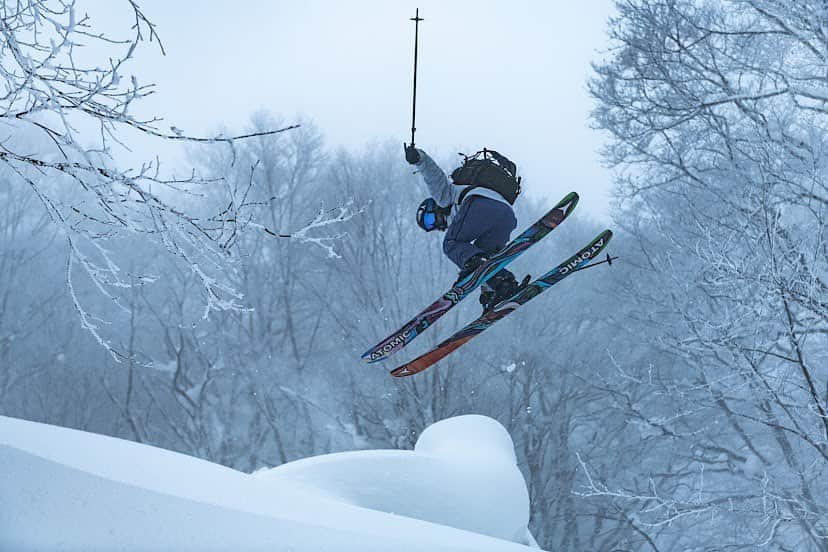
[(586, 256), (396, 342)]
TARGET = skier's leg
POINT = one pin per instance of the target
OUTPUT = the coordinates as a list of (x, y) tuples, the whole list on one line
[(482, 225), (501, 222), (465, 228), (493, 235)]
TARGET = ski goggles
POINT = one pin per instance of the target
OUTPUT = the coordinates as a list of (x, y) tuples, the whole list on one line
[(431, 216)]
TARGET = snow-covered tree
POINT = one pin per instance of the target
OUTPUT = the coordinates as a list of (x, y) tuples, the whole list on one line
[(718, 113), (66, 85)]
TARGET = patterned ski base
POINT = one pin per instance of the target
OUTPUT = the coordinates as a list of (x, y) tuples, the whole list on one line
[(504, 308), (464, 287)]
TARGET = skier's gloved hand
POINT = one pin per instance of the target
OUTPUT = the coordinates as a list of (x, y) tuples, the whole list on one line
[(411, 154)]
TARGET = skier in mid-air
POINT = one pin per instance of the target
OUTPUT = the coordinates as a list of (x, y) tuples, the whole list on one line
[(474, 208)]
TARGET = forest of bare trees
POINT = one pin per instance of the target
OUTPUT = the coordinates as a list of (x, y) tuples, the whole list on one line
[(717, 112)]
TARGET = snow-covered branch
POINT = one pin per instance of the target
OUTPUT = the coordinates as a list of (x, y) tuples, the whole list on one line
[(62, 78)]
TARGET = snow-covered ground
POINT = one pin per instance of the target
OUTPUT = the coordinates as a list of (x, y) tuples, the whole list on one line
[(460, 489)]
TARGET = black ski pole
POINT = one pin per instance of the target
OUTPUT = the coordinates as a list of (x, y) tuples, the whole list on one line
[(608, 261), (416, 19)]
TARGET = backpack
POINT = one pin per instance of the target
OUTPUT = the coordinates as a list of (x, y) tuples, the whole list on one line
[(488, 169)]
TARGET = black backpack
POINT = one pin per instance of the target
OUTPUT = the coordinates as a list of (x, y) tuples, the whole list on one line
[(488, 169)]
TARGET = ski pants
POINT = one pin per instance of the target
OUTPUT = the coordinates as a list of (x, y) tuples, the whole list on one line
[(481, 225)]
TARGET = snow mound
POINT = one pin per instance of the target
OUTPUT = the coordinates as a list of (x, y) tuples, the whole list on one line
[(63, 489), (462, 473), (470, 435)]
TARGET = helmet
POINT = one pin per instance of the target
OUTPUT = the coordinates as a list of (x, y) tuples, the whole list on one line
[(430, 216)]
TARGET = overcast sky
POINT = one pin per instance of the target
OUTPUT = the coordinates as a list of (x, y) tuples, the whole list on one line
[(506, 75)]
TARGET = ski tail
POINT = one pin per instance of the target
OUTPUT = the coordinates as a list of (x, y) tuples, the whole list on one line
[(504, 308), (465, 286)]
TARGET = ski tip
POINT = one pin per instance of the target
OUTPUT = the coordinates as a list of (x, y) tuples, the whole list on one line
[(372, 355), (569, 202), (367, 358), (402, 372), (604, 238), (560, 211)]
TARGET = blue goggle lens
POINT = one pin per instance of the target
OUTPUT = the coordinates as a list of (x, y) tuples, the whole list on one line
[(429, 220)]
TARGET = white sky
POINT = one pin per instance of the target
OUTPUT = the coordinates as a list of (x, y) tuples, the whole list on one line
[(506, 75)]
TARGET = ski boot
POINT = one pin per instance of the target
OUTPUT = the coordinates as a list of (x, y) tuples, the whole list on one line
[(499, 287), (471, 265)]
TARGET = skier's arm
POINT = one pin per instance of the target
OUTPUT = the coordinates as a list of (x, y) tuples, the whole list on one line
[(438, 184)]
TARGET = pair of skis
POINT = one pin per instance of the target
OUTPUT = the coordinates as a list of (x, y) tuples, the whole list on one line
[(469, 283)]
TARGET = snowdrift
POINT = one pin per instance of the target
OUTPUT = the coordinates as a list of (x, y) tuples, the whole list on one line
[(460, 489)]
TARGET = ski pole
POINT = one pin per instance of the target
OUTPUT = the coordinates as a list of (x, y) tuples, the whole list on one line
[(608, 261), (416, 19)]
